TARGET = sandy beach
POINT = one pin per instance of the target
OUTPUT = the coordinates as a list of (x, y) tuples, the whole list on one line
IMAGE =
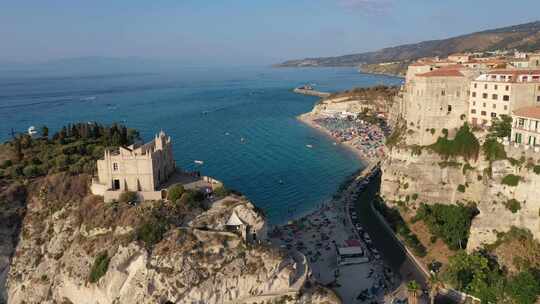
[(308, 119)]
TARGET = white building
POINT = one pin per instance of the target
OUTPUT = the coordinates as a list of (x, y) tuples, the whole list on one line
[(526, 126), (499, 92), (139, 168)]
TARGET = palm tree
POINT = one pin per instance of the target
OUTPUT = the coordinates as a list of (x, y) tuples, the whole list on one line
[(413, 289)]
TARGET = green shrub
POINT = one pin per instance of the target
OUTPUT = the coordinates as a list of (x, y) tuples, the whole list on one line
[(432, 131), (175, 192), (6, 163), (513, 205), (221, 192), (511, 180), (516, 162), (466, 168), (493, 150), (128, 196), (99, 269), (536, 169), (465, 144), (461, 188), (414, 196), (151, 232), (31, 171)]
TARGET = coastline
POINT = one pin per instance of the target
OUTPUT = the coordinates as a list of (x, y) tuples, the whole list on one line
[(307, 119), (318, 233)]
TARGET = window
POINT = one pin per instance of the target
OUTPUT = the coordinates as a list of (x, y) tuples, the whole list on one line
[(494, 106), (449, 108), (521, 122), (485, 95), (484, 105), (443, 92), (475, 85), (474, 103), (496, 87), (473, 111), (538, 98), (473, 94), (507, 88), (505, 107), (493, 114), (506, 98), (483, 113), (115, 166), (494, 96), (485, 86)]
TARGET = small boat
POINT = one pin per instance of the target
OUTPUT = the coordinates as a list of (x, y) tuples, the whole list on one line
[(280, 182), (309, 146), (198, 162), (227, 133), (242, 140), (32, 131)]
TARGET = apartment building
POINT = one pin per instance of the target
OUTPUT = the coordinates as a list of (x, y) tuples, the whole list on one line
[(499, 92)]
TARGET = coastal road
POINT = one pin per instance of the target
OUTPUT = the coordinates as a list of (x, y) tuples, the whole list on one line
[(384, 240)]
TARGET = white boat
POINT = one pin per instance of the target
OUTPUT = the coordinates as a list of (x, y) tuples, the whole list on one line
[(32, 131), (198, 162), (309, 146)]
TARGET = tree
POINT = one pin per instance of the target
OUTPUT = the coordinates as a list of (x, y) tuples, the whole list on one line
[(493, 150), (477, 275), (524, 288), (413, 289), (449, 222), (501, 127)]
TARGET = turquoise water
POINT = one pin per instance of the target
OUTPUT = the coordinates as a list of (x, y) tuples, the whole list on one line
[(207, 112)]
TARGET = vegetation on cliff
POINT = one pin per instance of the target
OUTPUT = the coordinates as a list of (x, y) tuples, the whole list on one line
[(75, 149), (99, 269), (464, 144), (451, 223), (480, 275)]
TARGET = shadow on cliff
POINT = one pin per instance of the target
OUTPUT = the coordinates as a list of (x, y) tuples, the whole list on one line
[(383, 239), (12, 211)]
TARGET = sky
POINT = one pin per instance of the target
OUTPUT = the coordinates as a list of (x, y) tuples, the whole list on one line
[(248, 32)]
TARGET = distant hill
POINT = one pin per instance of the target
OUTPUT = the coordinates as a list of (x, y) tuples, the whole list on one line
[(524, 37)]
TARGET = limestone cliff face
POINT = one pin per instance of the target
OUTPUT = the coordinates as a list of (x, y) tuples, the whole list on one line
[(65, 229), (426, 178)]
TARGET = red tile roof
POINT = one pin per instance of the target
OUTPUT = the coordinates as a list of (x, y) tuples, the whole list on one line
[(442, 73), (530, 112), (515, 72)]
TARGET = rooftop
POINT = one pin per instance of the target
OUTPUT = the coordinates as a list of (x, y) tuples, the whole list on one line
[(529, 112), (443, 72)]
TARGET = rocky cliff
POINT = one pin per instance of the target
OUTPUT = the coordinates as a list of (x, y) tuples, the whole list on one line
[(74, 248), (412, 176)]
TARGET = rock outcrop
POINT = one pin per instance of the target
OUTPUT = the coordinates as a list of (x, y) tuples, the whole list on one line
[(183, 255), (417, 177)]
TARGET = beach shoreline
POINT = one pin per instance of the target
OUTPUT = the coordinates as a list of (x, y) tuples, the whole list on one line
[(308, 119), (318, 233)]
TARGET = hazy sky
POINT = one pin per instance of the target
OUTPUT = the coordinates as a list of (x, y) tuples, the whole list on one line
[(238, 31)]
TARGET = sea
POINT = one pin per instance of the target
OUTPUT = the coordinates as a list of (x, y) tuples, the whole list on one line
[(240, 122)]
